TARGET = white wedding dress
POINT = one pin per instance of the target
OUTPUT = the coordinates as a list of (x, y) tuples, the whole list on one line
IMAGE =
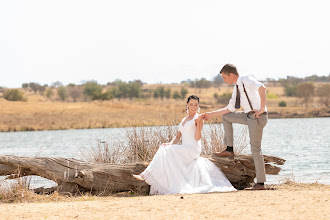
[(177, 169)]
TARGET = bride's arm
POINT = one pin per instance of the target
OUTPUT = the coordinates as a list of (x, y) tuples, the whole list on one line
[(176, 139), (199, 127)]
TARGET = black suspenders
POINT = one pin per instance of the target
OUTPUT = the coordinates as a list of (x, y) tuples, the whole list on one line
[(247, 97)]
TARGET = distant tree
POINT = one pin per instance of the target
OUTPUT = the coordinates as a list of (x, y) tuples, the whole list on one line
[(176, 95), (217, 81), (224, 98), (183, 92), (56, 84), (146, 93), (115, 93), (49, 93), (93, 90), (25, 85), (160, 92), (34, 86), (62, 93), (306, 91), (290, 89), (71, 85), (203, 83), (323, 92), (134, 89), (168, 93), (14, 95), (75, 92), (41, 89)]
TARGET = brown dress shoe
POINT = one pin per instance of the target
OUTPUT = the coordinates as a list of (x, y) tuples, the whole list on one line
[(224, 153), (256, 187)]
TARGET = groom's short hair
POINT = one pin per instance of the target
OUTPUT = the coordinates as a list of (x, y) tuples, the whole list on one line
[(229, 68)]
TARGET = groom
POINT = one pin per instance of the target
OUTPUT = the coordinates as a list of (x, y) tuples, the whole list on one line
[(249, 94)]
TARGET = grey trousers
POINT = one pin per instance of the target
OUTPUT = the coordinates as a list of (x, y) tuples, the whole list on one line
[(255, 132)]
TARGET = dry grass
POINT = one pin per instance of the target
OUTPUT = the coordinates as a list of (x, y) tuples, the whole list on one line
[(139, 144), (38, 113)]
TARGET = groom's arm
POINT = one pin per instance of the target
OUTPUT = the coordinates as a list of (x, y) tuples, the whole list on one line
[(217, 113)]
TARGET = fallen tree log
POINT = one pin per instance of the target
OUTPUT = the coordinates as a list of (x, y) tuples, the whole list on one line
[(75, 176)]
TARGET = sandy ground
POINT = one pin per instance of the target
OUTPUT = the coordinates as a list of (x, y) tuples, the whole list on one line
[(284, 202)]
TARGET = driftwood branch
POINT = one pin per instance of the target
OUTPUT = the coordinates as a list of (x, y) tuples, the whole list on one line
[(76, 176)]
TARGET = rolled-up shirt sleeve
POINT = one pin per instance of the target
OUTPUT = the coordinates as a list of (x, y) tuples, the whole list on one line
[(252, 82), (231, 105)]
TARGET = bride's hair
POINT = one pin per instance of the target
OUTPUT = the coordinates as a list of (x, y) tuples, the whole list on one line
[(193, 97)]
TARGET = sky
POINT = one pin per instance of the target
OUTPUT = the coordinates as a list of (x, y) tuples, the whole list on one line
[(160, 41)]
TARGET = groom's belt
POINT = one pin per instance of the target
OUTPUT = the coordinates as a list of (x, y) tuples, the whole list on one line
[(252, 112)]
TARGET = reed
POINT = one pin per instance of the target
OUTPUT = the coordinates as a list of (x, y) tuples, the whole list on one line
[(139, 144)]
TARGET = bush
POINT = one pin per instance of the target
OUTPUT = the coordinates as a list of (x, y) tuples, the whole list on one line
[(62, 93), (282, 104), (224, 98), (49, 93), (176, 95), (14, 95), (93, 90)]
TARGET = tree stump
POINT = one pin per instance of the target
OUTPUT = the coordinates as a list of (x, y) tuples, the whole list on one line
[(75, 176)]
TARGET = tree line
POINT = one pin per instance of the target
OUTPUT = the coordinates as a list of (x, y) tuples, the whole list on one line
[(91, 90)]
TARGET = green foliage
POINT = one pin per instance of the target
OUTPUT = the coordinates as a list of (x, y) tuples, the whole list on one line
[(129, 90), (290, 89), (224, 98), (106, 95), (25, 85), (272, 96), (62, 93), (93, 90), (201, 83), (183, 92), (14, 95), (161, 92), (282, 104), (176, 95)]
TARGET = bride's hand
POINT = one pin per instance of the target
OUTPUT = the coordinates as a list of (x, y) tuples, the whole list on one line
[(199, 119)]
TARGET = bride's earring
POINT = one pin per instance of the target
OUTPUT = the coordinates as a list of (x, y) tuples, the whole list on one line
[(199, 110), (187, 110)]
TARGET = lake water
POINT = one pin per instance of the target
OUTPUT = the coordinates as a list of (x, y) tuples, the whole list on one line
[(304, 143)]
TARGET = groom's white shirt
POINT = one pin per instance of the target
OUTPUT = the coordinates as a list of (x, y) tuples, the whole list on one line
[(251, 86)]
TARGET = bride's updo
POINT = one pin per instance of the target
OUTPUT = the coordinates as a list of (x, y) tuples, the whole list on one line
[(193, 97)]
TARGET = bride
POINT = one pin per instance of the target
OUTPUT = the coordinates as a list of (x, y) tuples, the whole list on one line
[(179, 168)]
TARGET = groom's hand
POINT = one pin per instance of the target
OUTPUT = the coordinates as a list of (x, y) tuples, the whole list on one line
[(257, 113), (206, 116)]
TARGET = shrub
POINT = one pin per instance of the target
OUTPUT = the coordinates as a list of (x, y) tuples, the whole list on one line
[(49, 93), (62, 93), (224, 98), (323, 92), (176, 95), (282, 104), (14, 95), (183, 92)]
